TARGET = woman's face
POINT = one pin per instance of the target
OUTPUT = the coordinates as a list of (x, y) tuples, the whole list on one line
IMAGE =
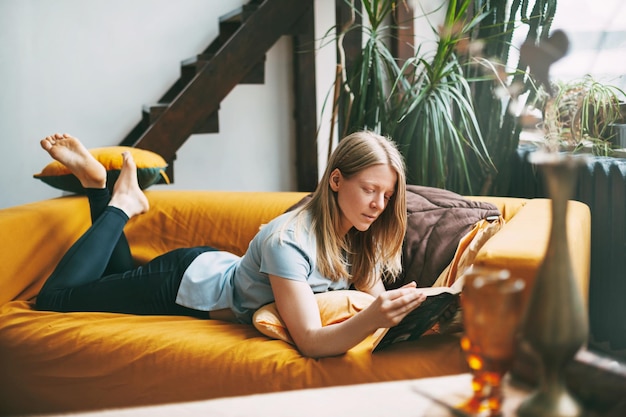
[(364, 196)]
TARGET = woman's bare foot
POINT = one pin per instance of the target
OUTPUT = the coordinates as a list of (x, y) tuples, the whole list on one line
[(69, 151), (127, 196)]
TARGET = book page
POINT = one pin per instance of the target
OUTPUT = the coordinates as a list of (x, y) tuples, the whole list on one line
[(454, 289)]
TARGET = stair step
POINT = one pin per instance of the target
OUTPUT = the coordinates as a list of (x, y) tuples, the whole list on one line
[(192, 66), (240, 14), (188, 69), (196, 62), (152, 112), (229, 23)]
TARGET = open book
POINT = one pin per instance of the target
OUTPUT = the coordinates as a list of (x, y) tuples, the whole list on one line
[(414, 324)]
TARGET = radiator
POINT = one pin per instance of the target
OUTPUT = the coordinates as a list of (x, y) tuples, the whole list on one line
[(602, 186)]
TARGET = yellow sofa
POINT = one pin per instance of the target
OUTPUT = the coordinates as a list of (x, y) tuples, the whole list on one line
[(58, 362)]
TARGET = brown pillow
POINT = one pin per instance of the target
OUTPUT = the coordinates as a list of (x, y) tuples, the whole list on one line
[(437, 221), (468, 248)]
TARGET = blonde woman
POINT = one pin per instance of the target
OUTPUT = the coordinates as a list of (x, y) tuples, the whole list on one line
[(349, 233)]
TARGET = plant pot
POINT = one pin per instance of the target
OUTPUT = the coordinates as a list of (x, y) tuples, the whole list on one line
[(618, 135)]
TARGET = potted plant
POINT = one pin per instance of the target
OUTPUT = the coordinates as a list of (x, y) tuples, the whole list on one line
[(584, 112), (424, 105), (499, 84), (443, 109)]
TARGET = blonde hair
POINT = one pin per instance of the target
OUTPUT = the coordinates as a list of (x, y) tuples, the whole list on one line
[(361, 257)]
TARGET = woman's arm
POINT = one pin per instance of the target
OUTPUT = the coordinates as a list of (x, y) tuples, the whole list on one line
[(298, 309)]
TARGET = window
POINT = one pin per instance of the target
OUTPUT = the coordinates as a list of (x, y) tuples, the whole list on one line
[(597, 35)]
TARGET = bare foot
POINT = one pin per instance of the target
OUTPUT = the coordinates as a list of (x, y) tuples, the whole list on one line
[(127, 196), (69, 151)]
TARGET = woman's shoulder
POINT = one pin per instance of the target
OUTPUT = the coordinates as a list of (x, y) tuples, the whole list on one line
[(291, 221), (290, 226)]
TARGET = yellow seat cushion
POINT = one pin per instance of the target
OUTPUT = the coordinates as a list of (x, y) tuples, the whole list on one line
[(55, 362)]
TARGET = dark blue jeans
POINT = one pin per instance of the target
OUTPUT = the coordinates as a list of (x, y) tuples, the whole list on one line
[(97, 273)]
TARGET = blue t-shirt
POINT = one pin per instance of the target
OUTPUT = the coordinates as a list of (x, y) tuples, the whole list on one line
[(284, 247)]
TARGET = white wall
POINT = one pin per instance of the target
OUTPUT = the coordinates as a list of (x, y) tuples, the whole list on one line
[(87, 67)]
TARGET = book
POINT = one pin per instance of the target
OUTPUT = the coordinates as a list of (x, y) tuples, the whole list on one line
[(422, 318)]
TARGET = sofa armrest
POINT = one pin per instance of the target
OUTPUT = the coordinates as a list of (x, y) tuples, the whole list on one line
[(35, 236), (508, 206), (521, 244)]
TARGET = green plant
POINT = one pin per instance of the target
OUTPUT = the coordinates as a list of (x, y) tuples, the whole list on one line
[(364, 90), (583, 111), (438, 127), (497, 83), (425, 105)]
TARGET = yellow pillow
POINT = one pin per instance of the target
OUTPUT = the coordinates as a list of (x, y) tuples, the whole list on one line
[(467, 249), (464, 257), (335, 307), (150, 169)]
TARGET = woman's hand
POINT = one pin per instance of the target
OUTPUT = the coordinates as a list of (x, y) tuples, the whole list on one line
[(390, 307)]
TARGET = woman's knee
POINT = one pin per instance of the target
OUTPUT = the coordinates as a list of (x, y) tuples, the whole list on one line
[(48, 300), (43, 302)]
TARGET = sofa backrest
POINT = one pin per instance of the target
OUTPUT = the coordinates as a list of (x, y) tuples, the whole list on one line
[(35, 236), (222, 219)]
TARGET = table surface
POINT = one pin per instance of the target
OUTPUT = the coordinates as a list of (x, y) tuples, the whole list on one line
[(398, 398)]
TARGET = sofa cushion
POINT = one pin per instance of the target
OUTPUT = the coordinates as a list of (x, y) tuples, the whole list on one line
[(150, 169), (62, 362), (467, 250), (335, 307), (437, 219)]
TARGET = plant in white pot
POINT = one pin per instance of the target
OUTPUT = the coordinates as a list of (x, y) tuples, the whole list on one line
[(584, 113)]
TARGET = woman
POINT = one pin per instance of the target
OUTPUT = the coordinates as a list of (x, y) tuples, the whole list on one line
[(349, 233)]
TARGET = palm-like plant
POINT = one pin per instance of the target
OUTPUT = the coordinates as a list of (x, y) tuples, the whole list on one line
[(425, 105), (494, 88), (366, 88), (438, 127)]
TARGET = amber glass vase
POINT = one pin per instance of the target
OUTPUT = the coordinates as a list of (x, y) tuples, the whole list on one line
[(492, 303)]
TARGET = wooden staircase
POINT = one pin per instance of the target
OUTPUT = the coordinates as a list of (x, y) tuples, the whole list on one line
[(237, 56)]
